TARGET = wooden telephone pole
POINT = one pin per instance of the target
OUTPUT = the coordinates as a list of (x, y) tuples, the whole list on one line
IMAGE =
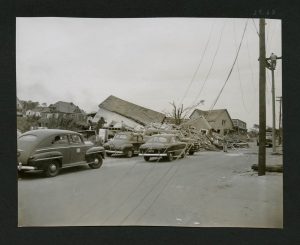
[(262, 100)]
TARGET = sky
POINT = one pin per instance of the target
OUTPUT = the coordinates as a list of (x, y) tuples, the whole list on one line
[(147, 61)]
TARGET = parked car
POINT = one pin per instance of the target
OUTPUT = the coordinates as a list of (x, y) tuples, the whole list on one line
[(50, 150), (269, 140), (192, 145), (124, 143), (165, 146)]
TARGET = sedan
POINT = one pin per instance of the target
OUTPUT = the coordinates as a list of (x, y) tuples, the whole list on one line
[(50, 150), (167, 146)]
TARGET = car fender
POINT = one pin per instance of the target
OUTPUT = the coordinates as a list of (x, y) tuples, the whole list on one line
[(40, 159), (95, 150)]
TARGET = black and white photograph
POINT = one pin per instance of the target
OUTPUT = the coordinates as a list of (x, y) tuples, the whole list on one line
[(149, 122)]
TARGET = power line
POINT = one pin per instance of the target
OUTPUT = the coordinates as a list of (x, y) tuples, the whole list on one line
[(255, 27), (196, 71), (230, 69), (238, 69), (213, 60), (250, 64), (145, 196)]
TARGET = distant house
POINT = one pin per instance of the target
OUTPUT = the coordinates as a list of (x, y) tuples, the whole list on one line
[(219, 119), (65, 110), (239, 126), (116, 110), (39, 111)]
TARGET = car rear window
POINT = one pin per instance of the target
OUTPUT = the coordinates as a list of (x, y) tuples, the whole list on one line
[(158, 140)]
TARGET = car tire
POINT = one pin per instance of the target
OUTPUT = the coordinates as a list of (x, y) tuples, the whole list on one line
[(108, 154), (97, 162), (170, 156), (52, 169), (129, 153), (146, 158)]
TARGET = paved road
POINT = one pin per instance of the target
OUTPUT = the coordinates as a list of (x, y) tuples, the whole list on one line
[(207, 189)]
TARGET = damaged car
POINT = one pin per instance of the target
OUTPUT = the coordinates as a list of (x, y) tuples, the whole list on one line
[(50, 150)]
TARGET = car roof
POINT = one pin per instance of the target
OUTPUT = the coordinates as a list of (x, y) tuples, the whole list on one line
[(42, 133)]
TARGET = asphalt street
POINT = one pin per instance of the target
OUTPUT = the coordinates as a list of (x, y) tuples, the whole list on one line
[(208, 189)]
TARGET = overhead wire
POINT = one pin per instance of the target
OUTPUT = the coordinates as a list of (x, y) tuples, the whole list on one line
[(199, 64), (231, 69), (250, 64), (210, 68), (238, 69), (255, 26)]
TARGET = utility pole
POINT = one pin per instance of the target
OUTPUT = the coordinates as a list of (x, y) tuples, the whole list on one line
[(271, 65), (279, 98), (262, 100)]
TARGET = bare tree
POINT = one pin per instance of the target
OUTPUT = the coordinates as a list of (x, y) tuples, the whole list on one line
[(179, 113)]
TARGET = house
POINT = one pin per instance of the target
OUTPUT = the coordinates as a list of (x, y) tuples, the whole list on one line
[(218, 119), (39, 111), (198, 123), (116, 110), (65, 110), (239, 126)]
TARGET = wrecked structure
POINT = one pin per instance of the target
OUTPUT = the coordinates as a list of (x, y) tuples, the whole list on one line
[(206, 128), (120, 113)]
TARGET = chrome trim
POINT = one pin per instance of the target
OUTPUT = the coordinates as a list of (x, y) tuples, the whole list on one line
[(47, 158), (21, 167), (55, 148), (88, 153), (114, 152), (153, 154)]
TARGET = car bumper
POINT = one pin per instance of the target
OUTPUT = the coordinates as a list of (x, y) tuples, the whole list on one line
[(114, 152), (153, 154), (21, 167)]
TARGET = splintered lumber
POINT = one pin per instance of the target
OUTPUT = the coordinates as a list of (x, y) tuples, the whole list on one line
[(270, 168)]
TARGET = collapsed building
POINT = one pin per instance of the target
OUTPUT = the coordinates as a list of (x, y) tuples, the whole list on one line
[(116, 112)]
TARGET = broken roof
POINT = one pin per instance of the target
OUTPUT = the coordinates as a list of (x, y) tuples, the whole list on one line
[(198, 123), (211, 115), (132, 111)]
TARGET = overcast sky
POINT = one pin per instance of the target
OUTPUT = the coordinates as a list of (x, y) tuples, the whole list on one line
[(150, 62)]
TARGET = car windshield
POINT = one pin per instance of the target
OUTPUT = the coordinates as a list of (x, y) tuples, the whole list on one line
[(27, 138), (158, 139), (121, 136)]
